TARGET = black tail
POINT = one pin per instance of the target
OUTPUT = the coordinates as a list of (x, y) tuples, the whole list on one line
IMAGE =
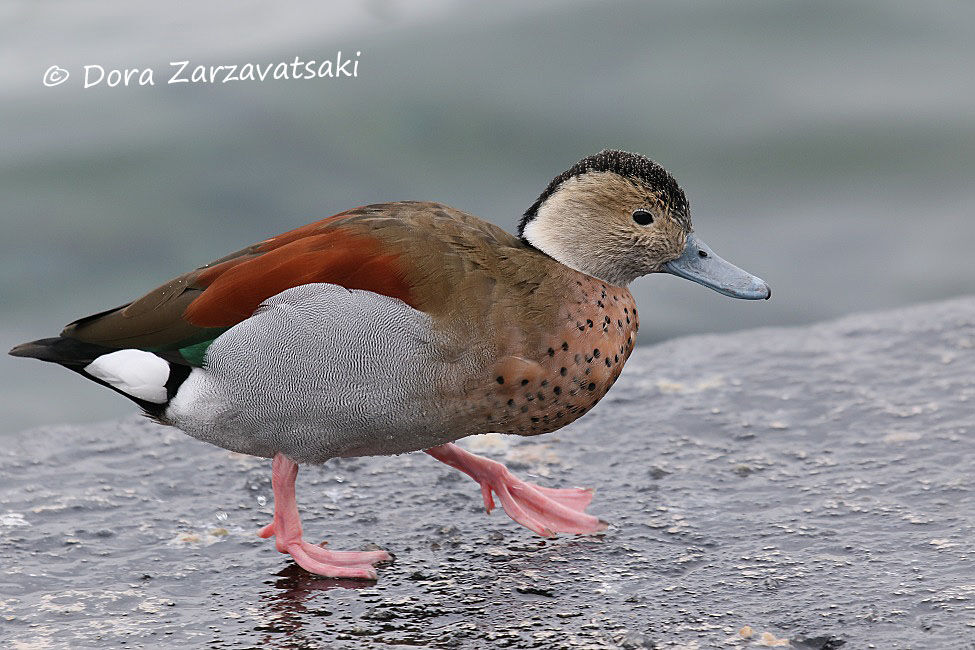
[(70, 353), (77, 355)]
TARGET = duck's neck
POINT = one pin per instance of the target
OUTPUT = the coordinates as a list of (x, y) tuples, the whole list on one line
[(581, 249)]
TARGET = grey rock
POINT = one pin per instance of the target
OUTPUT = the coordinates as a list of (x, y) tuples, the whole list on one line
[(813, 484)]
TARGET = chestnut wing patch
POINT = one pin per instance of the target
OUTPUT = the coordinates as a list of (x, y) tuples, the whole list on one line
[(337, 256), (182, 317)]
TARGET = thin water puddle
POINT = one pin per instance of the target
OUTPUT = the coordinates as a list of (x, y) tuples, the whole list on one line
[(816, 494)]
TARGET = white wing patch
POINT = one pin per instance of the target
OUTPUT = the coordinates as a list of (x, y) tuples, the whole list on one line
[(137, 373)]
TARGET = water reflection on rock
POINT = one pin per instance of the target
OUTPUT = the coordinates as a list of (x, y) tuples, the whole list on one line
[(818, 494)]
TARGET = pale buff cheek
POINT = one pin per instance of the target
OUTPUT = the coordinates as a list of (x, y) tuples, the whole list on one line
[(667, 244), (587, 225), (660, 245)]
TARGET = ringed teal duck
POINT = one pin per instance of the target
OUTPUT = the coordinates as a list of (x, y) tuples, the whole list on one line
[(402, 327)]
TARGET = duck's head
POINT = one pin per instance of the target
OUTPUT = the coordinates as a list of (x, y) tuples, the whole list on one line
[(618, 215)]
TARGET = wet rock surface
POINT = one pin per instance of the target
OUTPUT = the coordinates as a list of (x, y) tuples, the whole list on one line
[(809, 487)]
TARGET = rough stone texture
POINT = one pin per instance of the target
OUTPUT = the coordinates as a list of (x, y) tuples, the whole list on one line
[(812, 484)]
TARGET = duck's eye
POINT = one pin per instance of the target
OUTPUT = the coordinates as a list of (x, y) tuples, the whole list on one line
[(643, 217)]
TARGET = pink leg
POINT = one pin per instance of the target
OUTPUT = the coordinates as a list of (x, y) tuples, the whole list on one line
[(286, 529), (543, 510)]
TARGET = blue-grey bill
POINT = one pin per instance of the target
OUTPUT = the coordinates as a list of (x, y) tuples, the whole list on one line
[(699, 264)]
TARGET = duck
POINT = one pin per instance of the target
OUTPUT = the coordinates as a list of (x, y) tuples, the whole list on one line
[(404, 327)]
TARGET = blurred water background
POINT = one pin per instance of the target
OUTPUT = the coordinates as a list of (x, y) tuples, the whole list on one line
[(828, 147)]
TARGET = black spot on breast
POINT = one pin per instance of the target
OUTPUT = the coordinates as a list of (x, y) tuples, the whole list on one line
[(511, 402), (500, 380), (557, 390), (524, 382), (591, 386), (551, 352), (563, 371), (565, 346), (595, 353)]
